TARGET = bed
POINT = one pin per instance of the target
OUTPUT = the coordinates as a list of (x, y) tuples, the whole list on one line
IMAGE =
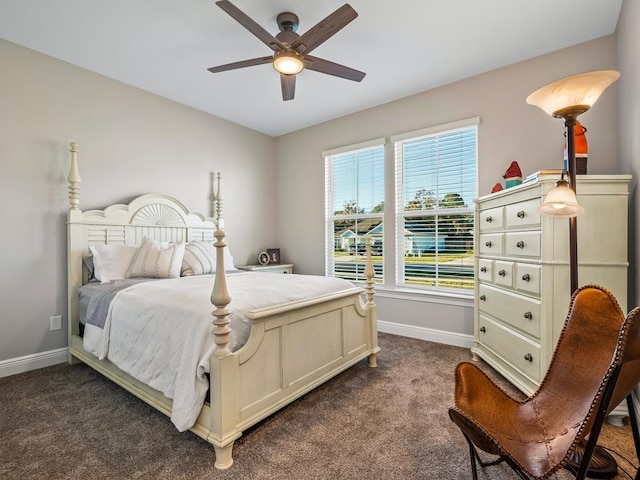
[(291, 345)]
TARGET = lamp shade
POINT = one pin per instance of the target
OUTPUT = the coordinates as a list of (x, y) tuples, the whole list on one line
[(288, 63), (561, 201), (578, 91)]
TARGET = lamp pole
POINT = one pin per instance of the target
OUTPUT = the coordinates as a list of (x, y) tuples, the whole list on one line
[(570, 123), (570, 115)]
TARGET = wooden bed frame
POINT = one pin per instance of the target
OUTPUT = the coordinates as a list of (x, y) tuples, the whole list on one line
[(291, 349)]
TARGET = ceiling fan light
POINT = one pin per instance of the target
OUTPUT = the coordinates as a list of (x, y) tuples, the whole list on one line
[(288, 63)]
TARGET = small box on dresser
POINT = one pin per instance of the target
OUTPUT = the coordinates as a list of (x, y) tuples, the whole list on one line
[(522, 288)]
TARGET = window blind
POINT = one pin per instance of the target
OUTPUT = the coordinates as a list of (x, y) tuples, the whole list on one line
[(435, 186)]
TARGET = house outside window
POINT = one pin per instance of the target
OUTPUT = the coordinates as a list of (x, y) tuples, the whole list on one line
[(354, 201), (435, 185)]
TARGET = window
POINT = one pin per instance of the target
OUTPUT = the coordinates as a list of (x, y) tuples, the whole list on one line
[(354, 199), (435, 185), (429, 210)]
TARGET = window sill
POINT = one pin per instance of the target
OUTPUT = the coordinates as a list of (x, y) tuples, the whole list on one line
[(417, 295)]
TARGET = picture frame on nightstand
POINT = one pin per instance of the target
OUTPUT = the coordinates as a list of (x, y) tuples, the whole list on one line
[(274, 255)]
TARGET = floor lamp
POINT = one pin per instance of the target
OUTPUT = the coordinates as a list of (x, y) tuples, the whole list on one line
[(567, 99)]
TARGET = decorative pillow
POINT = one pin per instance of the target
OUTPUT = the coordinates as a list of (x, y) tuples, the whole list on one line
[(199, 258), (111, 262), (156, 260), (88, 264)]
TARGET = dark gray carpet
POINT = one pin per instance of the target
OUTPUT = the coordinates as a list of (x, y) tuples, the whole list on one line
[(69, 422)]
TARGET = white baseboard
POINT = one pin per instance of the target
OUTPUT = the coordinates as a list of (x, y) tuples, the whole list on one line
[(423, 333), (33, 362), (53, 357)]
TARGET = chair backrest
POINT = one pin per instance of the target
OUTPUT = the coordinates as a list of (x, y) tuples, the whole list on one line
[(628, 357), (583, 360)]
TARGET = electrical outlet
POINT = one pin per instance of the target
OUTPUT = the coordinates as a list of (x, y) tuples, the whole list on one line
[(55, 323)]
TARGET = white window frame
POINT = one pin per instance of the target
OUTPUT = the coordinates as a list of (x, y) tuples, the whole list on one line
[(401, 215), (330, 208)]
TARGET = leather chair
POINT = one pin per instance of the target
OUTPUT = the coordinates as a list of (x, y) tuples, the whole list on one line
[(595, 365)]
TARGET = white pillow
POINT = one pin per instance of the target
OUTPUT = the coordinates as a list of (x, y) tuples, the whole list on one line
[(156, 260), (111, 262), (199, 258)]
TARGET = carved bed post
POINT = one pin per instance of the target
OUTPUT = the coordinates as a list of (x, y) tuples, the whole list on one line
[(219, 219), (222, 388), (74, 248), (370, 306), (74, 179), (220, 298)]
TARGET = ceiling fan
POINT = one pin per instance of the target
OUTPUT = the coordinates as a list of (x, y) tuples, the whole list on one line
[(291, 51)]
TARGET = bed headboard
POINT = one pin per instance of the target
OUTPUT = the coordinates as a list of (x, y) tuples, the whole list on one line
[(156, 216)]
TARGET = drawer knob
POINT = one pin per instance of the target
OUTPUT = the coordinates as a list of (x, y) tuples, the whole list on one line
[(483, 269), (483, 297), (488, 244), (528, 315), (526, 277), (502, 273), (528, 357), (489, 219), (483, 330), (520, 214), (520, 244)]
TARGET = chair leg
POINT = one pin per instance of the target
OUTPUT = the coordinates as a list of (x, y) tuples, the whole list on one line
[(633, 419), (473, 456), (597, 425)]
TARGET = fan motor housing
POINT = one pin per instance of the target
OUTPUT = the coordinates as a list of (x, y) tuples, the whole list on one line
[(288, 21)]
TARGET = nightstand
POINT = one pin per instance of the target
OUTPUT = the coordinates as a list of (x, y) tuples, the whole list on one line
[(275, 268)]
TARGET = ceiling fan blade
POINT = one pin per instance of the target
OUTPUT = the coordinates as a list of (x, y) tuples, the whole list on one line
[(335, 69), (241, 64), (243, 19), (325, 29), (288, 83)]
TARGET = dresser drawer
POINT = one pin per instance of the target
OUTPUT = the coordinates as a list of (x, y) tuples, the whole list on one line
[(523, 214), (517, 350), (490, 244), (523, 244), (485, 270), (503, 273), (491, 219), (510, 308), (528, 277)]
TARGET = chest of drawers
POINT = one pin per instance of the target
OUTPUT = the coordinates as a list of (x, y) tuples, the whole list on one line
[(522, 290)]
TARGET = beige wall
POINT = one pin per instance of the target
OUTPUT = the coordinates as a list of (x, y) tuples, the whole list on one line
[(131, 142), (628, 38), (509, 129)]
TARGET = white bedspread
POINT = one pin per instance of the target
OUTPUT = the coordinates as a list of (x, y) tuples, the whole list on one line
[(160, 332)]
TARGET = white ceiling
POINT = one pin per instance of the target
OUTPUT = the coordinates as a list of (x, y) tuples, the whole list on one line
[(404, 46)]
